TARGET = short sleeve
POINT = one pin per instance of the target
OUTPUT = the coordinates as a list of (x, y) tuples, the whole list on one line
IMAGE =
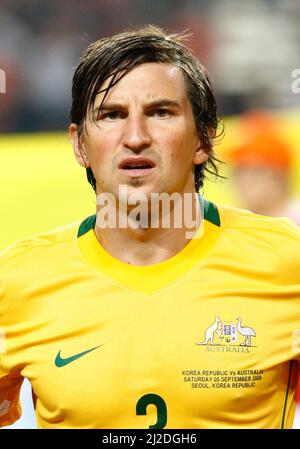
[(10, 378), (10, 386)]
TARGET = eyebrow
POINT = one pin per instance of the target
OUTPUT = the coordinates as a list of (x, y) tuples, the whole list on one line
[(162, 102)]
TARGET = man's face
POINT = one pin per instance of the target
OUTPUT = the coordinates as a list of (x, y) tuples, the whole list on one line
[(147, 114)]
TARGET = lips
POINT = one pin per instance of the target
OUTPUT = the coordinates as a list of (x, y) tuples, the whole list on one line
[(136, 163)]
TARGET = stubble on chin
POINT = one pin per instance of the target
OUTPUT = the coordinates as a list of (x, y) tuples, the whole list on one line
[(135, 182)]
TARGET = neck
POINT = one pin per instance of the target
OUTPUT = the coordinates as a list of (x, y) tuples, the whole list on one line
[(152, 234)]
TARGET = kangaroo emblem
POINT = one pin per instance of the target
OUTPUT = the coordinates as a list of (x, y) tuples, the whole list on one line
[(209, 333)]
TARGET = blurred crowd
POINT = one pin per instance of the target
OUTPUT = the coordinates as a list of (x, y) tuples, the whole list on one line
[(250, 49)]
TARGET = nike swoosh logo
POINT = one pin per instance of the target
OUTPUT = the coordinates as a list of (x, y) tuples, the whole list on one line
[(60, 362)]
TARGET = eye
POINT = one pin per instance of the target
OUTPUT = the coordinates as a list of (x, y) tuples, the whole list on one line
[(111, 115), (161, 112)]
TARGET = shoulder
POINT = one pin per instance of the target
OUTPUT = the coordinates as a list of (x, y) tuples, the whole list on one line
[(27, 248), (244, 220), (258, 233), (30, 267)]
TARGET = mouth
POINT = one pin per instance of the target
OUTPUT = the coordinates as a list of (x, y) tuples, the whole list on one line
[(136, 166)]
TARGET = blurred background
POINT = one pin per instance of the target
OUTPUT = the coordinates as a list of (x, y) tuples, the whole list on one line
[(251, 50)]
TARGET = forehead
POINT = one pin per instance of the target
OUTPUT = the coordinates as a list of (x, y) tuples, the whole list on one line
[(148, 81)]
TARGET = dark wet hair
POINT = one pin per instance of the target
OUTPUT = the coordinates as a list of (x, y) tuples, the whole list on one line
[(115, 56)]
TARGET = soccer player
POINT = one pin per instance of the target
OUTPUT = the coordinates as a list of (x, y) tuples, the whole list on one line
[(133, 318)]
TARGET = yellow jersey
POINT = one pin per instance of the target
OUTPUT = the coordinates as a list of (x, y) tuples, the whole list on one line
[(209, 338)]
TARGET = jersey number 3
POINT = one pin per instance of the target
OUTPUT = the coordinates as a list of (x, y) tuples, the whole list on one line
[(147, 399)]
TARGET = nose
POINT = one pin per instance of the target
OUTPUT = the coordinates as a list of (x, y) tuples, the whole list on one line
[(136, 135)]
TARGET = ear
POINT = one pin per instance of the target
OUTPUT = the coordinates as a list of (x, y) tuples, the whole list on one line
[(78, 146), (201, 155), (202, 152)]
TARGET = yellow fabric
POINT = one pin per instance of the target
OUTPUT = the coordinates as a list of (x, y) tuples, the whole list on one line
[(207, 339)]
